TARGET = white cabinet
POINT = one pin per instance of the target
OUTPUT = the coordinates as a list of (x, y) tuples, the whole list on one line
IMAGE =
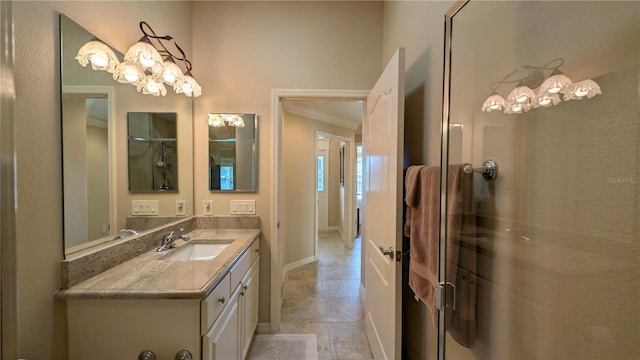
[(229, 337), (221, 341), (249, 308)]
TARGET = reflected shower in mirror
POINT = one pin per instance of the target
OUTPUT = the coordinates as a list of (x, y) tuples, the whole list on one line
[(233, 152), (152, 155)]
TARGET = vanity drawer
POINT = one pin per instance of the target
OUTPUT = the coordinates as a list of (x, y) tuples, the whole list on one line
[(242, 266), (214, 303)]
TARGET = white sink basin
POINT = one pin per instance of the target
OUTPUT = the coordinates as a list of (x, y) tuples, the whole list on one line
[(197, 250)]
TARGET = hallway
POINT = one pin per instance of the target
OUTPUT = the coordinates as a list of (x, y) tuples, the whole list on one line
[(323, 298)]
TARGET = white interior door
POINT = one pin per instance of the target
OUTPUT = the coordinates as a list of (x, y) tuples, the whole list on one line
[(322, 187), (383, 130)]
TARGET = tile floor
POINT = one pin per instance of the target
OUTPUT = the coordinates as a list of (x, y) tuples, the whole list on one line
[(323, 298)]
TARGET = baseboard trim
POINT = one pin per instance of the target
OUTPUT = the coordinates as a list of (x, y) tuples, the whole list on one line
[(263, 328), (295, 265)]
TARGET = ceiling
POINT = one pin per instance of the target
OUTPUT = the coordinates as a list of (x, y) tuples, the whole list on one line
[(347, 114)]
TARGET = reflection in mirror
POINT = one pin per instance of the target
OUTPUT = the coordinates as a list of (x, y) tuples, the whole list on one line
[(153, 156), (94, 110), (233, 154)]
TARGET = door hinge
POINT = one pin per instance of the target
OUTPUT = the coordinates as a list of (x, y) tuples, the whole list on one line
[(445, 295)]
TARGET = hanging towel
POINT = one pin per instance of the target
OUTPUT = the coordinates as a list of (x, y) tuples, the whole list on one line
[(422, 226)]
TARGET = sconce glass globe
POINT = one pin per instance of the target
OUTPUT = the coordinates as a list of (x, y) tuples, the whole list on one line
[(190, 86), (128, 73), (522, 95), (586, 88), (150, 86), (172, 74), (493, 102), (144, 54), (555, 83), (99, 55)]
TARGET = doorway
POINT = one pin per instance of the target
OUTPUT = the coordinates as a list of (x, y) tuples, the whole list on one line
[(280, 226)]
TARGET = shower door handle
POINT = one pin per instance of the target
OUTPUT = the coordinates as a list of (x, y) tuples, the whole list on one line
[(388, 252)]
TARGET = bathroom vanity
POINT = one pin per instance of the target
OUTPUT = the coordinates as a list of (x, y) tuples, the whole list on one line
[(179, 299)]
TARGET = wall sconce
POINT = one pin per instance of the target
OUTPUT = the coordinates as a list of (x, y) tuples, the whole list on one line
[(523, 98), (220, 120), (145, 66)]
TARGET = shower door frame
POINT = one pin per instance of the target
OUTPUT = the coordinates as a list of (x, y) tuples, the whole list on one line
[(444, 175)]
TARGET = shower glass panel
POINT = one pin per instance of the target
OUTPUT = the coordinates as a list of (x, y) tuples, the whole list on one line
[(545, 257)]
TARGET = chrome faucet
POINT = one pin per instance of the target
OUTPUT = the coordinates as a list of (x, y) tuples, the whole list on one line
[(168, 240), (126, 232)]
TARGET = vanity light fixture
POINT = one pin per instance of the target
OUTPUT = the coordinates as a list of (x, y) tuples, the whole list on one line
[(523, 97), (220, 120), (146, 66)]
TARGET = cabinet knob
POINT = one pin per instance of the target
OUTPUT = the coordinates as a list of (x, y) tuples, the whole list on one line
[(184, 355), (222, 300), (147, 355), (245, 287), (257, 251)]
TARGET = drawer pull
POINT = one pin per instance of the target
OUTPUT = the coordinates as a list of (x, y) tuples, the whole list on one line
[(222, 300), (147, 355), (184, 355)]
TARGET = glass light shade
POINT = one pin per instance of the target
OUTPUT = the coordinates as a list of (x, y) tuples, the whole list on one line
[(128, 73), (150, 86), (522, 95), (586, 88), (190, 86), (237, 121), (545, 99), (555, 83), (216, 120), (172, 74), (99, 55), (514, 107), (144, 54), (493, 102)]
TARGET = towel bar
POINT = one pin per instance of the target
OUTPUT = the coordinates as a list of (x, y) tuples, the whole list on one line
[(489, 169)]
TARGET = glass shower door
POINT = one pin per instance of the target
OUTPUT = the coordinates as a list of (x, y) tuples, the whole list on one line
[(543, 249)]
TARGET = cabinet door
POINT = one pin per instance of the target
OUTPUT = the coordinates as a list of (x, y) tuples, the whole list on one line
[(249, 304), (221, 341)]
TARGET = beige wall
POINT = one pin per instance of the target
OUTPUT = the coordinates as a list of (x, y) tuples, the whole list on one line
[(41, 327), (335, 207), (298, 153), (246, 49)]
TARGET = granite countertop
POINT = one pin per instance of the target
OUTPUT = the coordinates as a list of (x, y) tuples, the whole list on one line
[(147, 276)]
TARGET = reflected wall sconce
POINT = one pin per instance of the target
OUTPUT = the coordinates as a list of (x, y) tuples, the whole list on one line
[(220, 120), (146, 66), (523, 97)]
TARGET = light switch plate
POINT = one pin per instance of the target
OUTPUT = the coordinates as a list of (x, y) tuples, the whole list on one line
[(144, 207), (242, 207), (180, 207), (207, 207)]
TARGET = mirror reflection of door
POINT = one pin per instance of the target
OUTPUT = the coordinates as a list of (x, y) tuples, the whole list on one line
[(322, 183), (86, 181)]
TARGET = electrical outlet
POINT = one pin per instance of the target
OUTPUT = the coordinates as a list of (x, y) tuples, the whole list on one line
[(207, 207), (144, 207), (180, 208), (242, 207)]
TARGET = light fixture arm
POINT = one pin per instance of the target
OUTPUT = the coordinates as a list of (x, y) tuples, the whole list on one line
[(152, 34)]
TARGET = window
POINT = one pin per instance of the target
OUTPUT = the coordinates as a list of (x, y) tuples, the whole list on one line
[(320, 173), (359, 173)]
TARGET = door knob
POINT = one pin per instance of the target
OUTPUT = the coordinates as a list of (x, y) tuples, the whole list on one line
[(389, 251)]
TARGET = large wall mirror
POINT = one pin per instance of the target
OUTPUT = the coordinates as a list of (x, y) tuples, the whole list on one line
[(95, 144), (233, 152)]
